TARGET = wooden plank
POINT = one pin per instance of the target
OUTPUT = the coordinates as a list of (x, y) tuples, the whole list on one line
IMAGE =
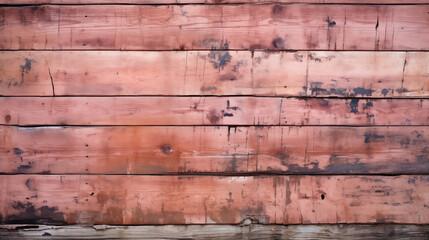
[(30, 111), (253, 231), (316, 74), (17, 2), (214, 150), (129, 200), (243, 26)]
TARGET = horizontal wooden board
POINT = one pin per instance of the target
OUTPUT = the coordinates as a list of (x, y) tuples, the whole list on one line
[(243, 26), (133, 200), (316, 74), (27, 111), (214, 150), (17, 2), (223, 232)]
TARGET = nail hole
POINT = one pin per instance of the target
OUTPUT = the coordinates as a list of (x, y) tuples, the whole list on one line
[(92, 194), (322, 196)]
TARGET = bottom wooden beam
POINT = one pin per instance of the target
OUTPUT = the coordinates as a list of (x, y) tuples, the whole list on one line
[(137, 200), (251, 231)]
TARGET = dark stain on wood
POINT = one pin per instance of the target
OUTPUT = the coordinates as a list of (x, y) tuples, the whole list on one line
[(219, 56), (7, 118), (277, 12), (30, 184), (213, 116), (330, 22), (25, 69), (354, 105), (28, 214), (232, 164), (317, 89), (228, 77), (18, 151), (363, 92), (166, 149), (371, 136), (279, 43), (23, 168), (208, 89)]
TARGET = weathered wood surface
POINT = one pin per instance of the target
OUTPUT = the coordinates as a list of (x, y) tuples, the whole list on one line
[(27, 111), (243, 26), (17, 2), (214, 150), (316, 74), (129, 200), (251, 231)]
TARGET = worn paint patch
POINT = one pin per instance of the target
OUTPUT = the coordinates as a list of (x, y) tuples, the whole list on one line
[(363, 91), (18, 151), (373, 137), (23, 168), (279, 43), (317, 89), (219, 56), (25, 68)]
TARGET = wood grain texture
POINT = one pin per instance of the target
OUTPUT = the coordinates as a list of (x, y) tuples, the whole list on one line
[(223, 232), (178, 200), (17, 2), (243, 26), (214, 150), (30, 111), (316, 74)]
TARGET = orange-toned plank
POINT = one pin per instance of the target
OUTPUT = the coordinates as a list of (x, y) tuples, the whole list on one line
[(189, 200), (210, 111), (203, 110), (318, 74), (17, 2), (166, 150), (243, 26)]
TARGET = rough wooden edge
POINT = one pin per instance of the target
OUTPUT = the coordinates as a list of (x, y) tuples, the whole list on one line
[(211, 2), (244, 231)]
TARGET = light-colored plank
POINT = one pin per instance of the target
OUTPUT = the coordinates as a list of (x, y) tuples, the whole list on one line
[(215, 150), (243, 26), (316, 74), (253, 231), (17, 2), (133, 200), (27, 111)]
